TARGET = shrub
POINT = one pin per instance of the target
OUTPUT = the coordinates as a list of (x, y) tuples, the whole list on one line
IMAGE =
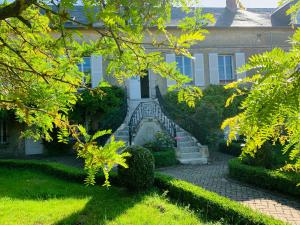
[(165, 158), (139, 175), (269, 156), (55, 169), (162, 141), (101, 108), (234, 148), (212, 204), (284, 182), (207, 115)]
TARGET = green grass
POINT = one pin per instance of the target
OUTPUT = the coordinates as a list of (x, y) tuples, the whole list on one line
[(32, 197)]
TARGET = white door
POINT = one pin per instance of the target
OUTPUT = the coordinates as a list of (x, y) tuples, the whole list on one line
[(33, 147), (134, 87)]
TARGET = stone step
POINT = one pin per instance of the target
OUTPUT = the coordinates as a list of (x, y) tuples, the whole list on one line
[(195, 161), (181, 134), (188, 149), (183, 139), (122, 132), (125, 138), (187, 143), (191, 155)]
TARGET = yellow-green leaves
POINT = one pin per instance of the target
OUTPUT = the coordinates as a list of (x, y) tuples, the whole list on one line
[(272, 107)]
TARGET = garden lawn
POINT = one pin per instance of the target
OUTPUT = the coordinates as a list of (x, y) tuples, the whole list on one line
[(30, 197)]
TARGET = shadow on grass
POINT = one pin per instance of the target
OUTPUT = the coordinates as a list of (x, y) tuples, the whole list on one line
[(102, 204)]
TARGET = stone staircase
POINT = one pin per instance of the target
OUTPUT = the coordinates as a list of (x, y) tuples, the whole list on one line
[(188, 151)]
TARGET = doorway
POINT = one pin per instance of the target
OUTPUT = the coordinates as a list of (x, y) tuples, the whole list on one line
[(144, 82)]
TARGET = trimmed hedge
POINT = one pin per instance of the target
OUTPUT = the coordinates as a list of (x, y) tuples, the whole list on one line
[(55, 169), (285, 183), (165, 158), (211, 204)]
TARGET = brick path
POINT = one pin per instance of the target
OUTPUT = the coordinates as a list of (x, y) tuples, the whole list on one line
[(213, 177)]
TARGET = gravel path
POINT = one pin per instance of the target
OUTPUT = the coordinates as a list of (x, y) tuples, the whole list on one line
[(213, 177)]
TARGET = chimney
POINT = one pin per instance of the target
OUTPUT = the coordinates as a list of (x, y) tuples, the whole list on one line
[(232, 5)]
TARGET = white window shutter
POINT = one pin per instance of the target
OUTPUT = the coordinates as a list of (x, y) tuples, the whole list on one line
[(170, 58), (213, 68), (96, 70), (240, 61), (199, 70)]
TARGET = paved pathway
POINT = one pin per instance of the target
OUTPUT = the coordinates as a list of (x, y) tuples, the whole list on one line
[(213, 177)]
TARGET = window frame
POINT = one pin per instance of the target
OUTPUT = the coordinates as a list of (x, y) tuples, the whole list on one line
[(225, 69), (81, 69), (184, 66)]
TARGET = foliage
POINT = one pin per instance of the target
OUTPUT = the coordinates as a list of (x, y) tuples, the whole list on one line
[(205, 119), (164, 158), (140, 174), (271, 109), (234, 148), (39, 75), (276, 180), (32, 197), (210, 203), (162, 148), (269, 156), (55, 147), (101, 108), (53, 169), (161, 142)]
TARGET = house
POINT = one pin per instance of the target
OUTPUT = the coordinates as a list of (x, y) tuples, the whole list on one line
[(233, 38)]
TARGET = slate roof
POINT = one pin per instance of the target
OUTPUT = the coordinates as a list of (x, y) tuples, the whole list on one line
[(251, 17)]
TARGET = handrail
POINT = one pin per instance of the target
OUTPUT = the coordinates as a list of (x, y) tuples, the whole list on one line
[(187, 123), (150, 110)]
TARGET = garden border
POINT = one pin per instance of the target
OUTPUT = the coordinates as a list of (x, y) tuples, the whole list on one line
[(274, 180), (209, 203)]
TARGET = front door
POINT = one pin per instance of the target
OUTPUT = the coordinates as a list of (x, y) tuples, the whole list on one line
[(145, 86)]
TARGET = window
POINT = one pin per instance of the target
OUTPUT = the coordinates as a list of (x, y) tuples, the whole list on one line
[(184, 65), (85, 67), (3, 132), (225, 68), (297, 19)]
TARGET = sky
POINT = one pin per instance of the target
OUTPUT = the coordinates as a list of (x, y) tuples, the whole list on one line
[(246, 3)]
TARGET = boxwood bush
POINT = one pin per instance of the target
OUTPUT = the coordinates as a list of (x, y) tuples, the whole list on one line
[(275, 180), (55, 169), (164, 158), (139, 175), (212, 204)]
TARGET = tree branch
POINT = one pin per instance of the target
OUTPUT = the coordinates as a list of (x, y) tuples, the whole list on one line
[(15, 9)]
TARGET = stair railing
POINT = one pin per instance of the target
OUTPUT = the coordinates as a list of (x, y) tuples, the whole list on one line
[(149, 110), (187, 123)]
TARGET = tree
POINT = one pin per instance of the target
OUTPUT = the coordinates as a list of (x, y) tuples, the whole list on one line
[(271, 110), (38, 73)]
